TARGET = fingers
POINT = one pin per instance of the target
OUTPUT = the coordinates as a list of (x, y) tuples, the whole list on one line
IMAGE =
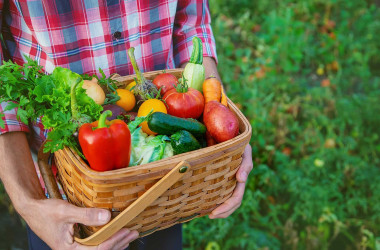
[(233, 203), (230, 205), (68, 233), (87, 216), (56, 225), (246, 165), (125, 242), (120, 240)]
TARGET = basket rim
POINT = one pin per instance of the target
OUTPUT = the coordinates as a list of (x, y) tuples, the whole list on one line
[(96, 176)]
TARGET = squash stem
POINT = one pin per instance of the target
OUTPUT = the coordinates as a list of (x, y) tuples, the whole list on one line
[(140, 77)]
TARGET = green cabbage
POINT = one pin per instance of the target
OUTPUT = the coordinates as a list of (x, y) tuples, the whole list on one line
[(146, 148)]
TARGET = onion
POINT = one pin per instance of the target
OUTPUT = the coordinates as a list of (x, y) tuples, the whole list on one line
[(94, 91)]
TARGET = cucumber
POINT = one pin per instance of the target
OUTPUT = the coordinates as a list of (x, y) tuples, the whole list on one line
[(183, 141), (165, 124)]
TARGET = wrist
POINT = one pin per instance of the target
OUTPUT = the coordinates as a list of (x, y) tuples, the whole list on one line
[(211, 68), (28, 207)]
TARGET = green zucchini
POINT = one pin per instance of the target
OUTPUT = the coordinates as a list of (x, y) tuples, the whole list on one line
[(194, 71), (165, 124), (183, 141)]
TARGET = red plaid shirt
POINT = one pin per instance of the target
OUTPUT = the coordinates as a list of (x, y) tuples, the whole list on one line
[(85, 35)]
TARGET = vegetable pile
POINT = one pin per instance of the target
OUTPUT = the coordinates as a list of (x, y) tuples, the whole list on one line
[(112, 128)]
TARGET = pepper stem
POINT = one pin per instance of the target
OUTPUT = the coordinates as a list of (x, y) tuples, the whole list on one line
[(131, 54), (103, 117), (74, 104), (197, 53)]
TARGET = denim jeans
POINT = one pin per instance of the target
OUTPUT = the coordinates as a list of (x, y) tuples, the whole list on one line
[(167, 239)]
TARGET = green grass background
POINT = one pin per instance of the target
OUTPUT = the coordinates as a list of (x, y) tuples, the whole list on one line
[(307, 76)]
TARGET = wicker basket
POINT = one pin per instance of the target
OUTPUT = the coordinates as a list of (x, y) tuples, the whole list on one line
[(176, 189)]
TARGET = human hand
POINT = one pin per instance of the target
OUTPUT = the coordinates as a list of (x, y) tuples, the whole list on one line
[(53, 221), (234, 202)]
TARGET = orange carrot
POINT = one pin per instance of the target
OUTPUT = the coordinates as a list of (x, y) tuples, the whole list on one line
[(212, 89), (224, 98)]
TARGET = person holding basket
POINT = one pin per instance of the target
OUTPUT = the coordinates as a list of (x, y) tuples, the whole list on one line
[(84, 36)]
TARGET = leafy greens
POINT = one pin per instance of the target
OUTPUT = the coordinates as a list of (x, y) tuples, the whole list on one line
[(36, 94)]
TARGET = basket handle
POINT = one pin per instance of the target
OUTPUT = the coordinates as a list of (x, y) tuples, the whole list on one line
[(129, 213), (46, 173), (137, 206)]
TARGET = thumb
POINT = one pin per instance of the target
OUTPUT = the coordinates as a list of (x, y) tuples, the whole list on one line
[(88, 216)]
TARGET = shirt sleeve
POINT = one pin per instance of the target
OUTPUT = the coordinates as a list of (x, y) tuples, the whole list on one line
[(1, 27), (12, 124), (192, 19), (9, 117)]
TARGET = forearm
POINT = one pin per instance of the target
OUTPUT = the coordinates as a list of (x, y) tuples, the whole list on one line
[(17, 171), (210, 67), (51, 219)]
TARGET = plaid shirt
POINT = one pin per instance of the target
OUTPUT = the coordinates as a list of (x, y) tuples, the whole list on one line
[(85, 35)]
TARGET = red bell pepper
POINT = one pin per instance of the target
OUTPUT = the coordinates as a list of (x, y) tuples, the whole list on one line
[(106, 145)]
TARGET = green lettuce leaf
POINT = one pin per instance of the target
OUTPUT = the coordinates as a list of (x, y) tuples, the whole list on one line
[(55, 90), (36, 94)]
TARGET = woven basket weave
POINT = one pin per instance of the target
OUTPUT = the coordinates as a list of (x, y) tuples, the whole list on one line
[(209, 182)]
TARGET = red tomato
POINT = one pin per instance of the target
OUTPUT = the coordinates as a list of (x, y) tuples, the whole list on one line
[(166, 81), (189, 104)]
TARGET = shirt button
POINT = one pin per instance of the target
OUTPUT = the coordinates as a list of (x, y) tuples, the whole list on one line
[(117, 35)]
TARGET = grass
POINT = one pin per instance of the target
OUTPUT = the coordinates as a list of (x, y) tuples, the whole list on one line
[(307, 76)]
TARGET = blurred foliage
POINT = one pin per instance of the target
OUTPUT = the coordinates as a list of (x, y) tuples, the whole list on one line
[(307, 76), (12, 227)]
